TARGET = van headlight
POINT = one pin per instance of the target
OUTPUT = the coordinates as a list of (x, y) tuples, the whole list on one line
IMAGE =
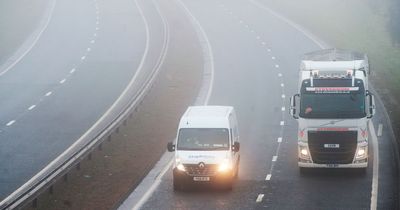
[(179, 165), (224, 166), (362, 152)]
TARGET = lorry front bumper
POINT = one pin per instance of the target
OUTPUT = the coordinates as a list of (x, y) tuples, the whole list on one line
[(351, 165)]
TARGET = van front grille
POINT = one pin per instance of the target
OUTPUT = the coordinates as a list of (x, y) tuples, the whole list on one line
[(196, 170)]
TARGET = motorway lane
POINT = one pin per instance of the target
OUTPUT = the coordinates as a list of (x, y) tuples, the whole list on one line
[(254, 54), (81, 64)]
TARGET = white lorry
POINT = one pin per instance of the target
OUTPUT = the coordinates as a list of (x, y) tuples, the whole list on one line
[(333, 109), (206, 147)]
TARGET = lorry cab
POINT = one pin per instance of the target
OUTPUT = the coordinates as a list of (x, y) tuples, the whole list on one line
[(206, 147), (333, 109)]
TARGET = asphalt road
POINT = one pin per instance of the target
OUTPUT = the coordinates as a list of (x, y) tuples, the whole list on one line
[(77, 68), (256, 58)]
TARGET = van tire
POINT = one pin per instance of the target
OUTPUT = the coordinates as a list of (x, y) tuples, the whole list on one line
[(177, 185)]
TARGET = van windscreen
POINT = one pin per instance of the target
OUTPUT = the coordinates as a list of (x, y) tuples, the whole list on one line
[(203, 139)]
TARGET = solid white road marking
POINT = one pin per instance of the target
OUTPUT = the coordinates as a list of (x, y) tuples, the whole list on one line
[(62, 81), (72, 71), (279, 139), (10, 123), (259, 198), (380, 129), (31, 107), (274, 158), (375, 169), (282, 123), (36, 39), (268, 177)]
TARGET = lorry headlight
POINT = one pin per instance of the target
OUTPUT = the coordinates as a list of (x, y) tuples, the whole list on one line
[(304, 154), (362, 153), (224, 166)]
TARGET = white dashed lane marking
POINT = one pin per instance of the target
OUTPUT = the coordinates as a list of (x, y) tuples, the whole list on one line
[(282, 85), (283, 108), (31, 107), (279, 139), (49, 93), (268, 177), (282, 123), (88, 49), (72, 71), (273, 57), (83, 57), (276, 66), (93, 41), (10, 123), (283, 96), (274, 158), (279, 75), (380, 129), (62, 81), (259, 198)]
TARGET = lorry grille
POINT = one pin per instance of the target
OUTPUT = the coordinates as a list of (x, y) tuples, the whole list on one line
[(195, 170), (347, 141)]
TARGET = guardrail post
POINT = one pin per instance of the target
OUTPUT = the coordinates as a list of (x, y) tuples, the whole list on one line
[(90, 156), (51, 190), (78, 166), (101, 146), (66, 177)]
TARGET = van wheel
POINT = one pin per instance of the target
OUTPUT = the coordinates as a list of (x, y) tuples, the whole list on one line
[(177, 185)]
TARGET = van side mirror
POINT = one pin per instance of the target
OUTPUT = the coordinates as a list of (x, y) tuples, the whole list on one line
[(170, 147), (293, 110), (236, 146), (371, 105)]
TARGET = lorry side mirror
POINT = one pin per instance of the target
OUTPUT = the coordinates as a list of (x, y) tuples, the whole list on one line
[(293, 110), (236, 146), (371, 105), (170, 147)]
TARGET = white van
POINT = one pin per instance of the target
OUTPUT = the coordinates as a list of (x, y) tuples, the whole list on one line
[(206, 147)]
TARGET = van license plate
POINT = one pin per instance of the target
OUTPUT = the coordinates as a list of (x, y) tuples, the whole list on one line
[(201, 178), (331, 145)]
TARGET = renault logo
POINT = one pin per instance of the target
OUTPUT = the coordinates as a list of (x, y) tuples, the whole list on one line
[(202, 165)]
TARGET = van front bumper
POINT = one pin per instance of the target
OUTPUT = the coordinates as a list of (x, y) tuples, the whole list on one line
[(219, 178)]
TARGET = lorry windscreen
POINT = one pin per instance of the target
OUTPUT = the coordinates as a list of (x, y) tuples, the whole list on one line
[(332, 105), (203, 139)]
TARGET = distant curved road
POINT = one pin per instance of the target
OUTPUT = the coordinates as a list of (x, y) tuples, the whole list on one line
[(79, 66)]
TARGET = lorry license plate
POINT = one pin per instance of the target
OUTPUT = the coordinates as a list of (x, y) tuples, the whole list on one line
[(331, 145), (201, 178), (332, 165)]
